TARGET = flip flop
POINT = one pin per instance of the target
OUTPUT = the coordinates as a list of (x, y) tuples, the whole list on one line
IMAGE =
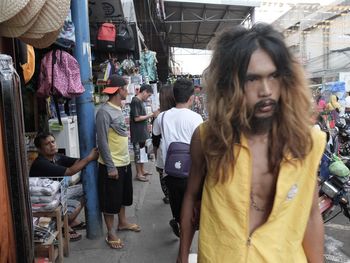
[(74, 236), (79, 226), (147, 174), (131, 227), (114, 244), (142, 178)]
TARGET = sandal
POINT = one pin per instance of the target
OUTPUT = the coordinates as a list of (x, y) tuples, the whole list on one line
[(147, 174), (130, 227), (114, 244), (74, 236), (79, 226), (142, 178)]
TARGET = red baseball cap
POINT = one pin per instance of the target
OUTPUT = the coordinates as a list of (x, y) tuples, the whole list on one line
[(114, 82)]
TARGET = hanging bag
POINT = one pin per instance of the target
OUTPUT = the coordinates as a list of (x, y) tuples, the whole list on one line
[(59, 75), (124, 41), (106, 37)]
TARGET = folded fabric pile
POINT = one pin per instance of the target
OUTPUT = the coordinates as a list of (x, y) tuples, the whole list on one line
[(44, 228), (44, 194), (75, 192)]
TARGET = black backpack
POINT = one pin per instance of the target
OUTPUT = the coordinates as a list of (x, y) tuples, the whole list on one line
[(124, 41)]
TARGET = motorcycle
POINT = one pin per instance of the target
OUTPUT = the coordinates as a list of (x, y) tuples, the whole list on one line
[(343, 136), (333, 194), (334, 185)]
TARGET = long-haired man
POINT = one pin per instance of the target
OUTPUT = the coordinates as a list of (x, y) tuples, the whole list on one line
[(254, 162)]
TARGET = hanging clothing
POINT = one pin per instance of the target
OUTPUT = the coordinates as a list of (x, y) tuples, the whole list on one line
[(148, 65)]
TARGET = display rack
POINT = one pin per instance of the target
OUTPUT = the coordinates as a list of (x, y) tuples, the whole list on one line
[(51, 249)]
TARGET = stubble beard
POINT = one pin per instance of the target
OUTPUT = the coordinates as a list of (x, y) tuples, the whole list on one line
[(261, 125)]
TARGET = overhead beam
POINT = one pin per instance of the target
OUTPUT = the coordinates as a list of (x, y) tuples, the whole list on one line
[(182, 18), (204, 20), (199, 24), (190, 34), (201, 45), (223, 16)]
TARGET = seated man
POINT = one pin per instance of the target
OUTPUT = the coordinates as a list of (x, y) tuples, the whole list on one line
[(51, 164)]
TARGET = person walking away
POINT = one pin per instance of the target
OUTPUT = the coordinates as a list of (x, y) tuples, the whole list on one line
[(114, 173), (257, 156), (51, 164), (138, 128), (167, 101), (177, 125)]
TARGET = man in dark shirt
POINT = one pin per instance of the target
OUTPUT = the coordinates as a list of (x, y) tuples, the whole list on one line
[(51, 164), (43, 167), (138, 127)]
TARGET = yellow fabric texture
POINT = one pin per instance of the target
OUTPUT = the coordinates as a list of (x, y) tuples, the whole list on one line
[(118, 146), (224, 221)]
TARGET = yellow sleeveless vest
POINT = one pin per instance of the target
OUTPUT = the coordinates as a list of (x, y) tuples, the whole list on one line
[(224, 223)]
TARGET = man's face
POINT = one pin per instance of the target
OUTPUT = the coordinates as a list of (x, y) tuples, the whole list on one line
[(146, 95), (48, 146), (262, 85), (123, 92)]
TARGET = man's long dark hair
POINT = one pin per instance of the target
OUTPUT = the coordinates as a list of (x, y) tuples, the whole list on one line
[(227, 107)]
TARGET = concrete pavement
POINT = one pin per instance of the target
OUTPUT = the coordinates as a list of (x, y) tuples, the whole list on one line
[(156, 243)]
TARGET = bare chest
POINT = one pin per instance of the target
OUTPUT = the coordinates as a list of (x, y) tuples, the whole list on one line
[(263, 185)]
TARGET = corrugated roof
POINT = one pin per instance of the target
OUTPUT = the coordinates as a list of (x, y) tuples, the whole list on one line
[(192, 25)]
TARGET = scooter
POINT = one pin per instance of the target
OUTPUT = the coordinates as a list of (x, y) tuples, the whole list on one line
[(333, 189), (333, 194)]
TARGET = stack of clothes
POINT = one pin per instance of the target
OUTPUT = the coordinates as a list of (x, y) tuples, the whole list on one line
[(44, 194)]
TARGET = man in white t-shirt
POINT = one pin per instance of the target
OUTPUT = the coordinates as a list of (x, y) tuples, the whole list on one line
[(177, 125)]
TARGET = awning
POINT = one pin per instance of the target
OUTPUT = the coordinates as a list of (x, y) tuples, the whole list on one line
[(193, 24)]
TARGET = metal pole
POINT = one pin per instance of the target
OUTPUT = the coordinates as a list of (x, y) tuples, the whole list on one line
[(86, 116)]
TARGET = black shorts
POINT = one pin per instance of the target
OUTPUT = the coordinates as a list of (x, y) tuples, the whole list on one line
[(112, 193)]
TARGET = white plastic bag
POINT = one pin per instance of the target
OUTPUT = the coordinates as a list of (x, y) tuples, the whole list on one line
[(143, 155)]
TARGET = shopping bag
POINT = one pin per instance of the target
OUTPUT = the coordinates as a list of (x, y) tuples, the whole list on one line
[(143, 155)]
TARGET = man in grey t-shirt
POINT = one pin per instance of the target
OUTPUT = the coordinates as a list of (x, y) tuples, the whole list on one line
[(115, 177), (138, 127)]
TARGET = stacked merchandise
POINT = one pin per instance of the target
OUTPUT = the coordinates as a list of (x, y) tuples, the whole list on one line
[(44, 229), (44, 194)]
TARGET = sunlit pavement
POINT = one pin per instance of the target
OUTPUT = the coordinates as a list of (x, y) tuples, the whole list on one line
[(337, 240), (156, 243)]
